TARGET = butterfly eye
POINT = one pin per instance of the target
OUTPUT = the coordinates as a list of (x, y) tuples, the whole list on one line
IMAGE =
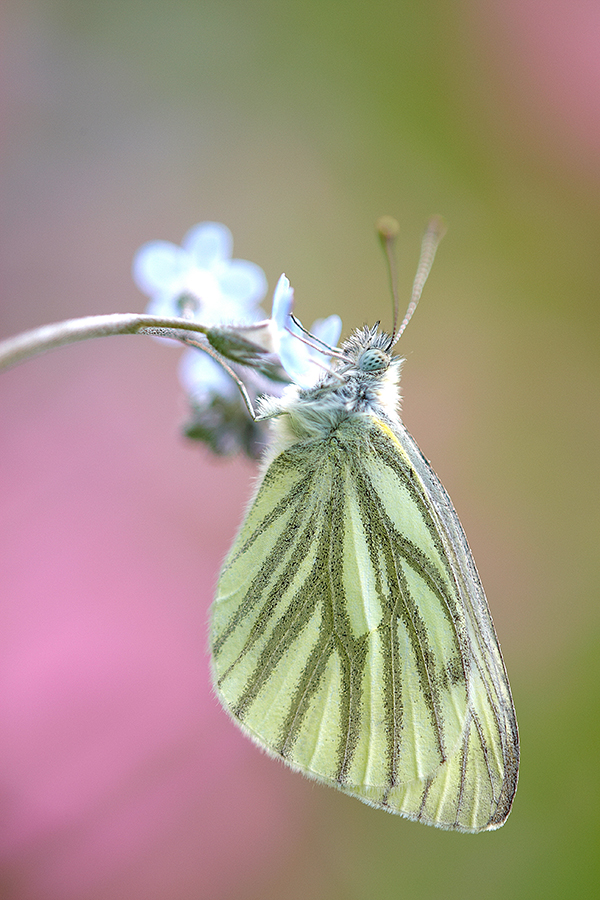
[(374, 360)]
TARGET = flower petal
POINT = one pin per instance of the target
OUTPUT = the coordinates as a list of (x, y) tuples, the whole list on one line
[(208, 243), (242, 280), (328, 330), (283, 300), (296, 360), (157, 265)]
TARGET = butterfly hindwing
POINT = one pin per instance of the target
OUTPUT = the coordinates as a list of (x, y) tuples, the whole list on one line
[(350, 634)]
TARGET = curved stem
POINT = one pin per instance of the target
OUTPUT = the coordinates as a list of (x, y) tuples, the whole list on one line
[(30, 343)]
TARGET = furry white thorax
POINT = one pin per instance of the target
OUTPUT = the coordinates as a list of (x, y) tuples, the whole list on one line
[(365, 383)]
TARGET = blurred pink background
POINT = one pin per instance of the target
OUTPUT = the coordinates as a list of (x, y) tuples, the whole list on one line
[(121, 777)]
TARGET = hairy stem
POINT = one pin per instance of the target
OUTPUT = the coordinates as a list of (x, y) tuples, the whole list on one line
[(30, 343)]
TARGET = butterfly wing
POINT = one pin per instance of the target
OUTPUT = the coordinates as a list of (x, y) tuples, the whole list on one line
[(351, 636), (475, 786)]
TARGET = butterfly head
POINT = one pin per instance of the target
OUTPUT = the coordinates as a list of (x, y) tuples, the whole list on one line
[(367, 353), (373, 360), (366, 378)]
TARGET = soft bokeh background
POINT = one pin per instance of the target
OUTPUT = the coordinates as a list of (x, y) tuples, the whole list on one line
[(297, 125)]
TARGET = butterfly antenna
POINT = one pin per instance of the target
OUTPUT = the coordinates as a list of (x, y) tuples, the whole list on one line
[(434, 233), (387, 229)]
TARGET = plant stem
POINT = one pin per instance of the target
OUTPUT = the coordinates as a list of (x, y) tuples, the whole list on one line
[(24, 346)]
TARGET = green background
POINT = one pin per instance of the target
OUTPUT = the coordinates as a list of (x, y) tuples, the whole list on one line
[(298, 125)]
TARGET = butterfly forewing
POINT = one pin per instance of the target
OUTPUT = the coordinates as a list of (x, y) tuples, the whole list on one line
[(351, 637)]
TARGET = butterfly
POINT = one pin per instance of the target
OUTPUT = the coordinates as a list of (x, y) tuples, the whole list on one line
[(350, 634)]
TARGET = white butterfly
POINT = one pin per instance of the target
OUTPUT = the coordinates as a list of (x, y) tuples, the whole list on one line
[(350, 633)]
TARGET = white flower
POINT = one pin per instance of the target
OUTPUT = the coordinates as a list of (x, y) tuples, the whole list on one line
[(200, 279)]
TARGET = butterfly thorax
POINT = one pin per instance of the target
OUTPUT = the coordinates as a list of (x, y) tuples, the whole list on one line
[(362, 384)]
